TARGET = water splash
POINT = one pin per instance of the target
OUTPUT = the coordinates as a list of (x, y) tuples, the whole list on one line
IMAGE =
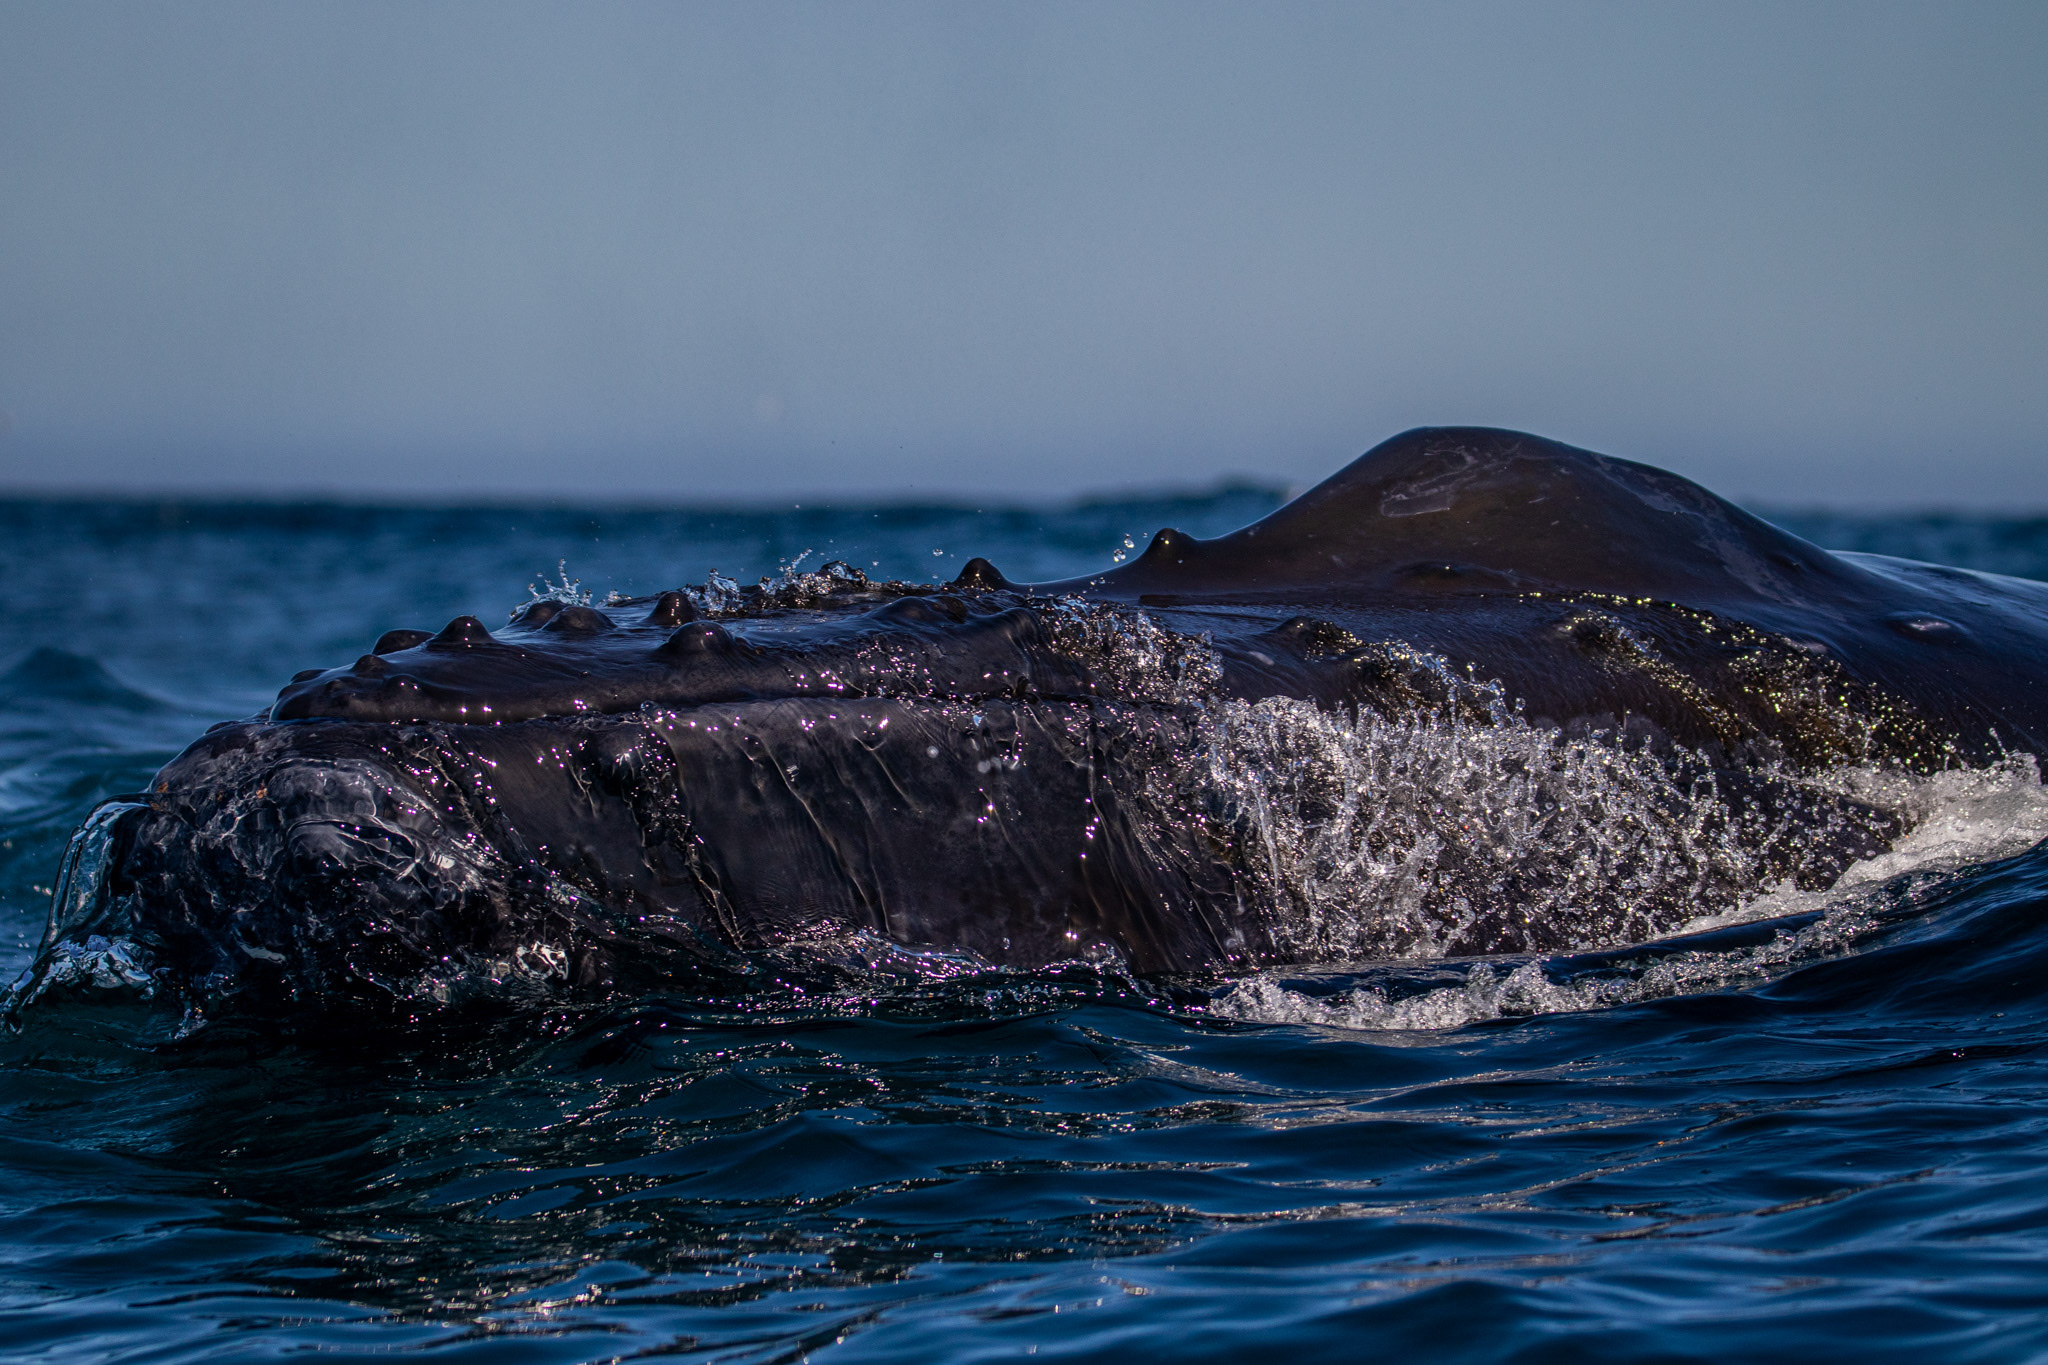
[(793, 588), (1132, 655), (720, 595), (569, 591), (1957, 817), (1965, 817), (1509, 990)]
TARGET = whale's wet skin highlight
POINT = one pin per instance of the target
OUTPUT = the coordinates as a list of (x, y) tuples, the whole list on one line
[(1504, 1032)]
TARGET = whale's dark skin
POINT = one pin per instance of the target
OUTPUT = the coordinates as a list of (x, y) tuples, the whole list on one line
[(596, 797)]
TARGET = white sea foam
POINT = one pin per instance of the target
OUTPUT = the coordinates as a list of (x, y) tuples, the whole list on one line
[(1464, 829), (1958, 817), (1965, 816)]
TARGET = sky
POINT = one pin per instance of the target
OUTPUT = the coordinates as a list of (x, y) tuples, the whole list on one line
[(762, 251)]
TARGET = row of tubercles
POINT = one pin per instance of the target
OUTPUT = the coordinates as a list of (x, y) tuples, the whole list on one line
[(671, 609)]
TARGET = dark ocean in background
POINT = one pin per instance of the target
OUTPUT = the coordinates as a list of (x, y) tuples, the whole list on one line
[(1819, 1136)]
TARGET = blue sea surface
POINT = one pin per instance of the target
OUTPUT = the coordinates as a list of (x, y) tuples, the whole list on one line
[(1820, 1136)]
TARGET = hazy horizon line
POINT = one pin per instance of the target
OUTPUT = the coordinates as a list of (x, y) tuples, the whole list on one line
[(949, 500)]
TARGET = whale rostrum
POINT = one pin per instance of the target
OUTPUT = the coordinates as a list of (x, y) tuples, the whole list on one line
[(1477, 692)]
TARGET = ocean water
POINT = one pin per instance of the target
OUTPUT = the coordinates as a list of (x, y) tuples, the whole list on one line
[(1814, 1129)]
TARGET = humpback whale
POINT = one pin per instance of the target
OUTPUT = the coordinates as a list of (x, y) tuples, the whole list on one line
[(1478, 692)]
